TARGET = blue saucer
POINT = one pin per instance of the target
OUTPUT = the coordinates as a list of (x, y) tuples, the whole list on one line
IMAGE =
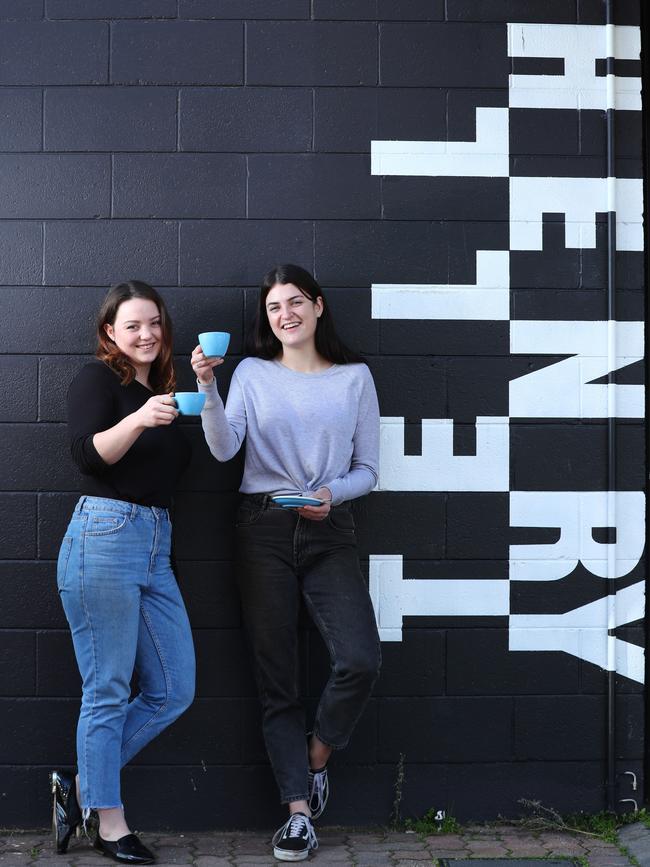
[(295, 502)]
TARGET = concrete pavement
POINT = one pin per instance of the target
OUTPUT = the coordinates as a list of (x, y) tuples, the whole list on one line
[(372, 848)]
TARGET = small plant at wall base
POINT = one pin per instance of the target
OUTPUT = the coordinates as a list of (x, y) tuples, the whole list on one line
[(399, 786), (434, 821), (604, 825)]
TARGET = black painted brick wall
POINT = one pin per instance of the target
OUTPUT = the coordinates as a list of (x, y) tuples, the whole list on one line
[(192, 144)]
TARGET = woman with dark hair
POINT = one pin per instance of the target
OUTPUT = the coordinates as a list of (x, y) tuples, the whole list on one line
[(114, 574), (308, 409)]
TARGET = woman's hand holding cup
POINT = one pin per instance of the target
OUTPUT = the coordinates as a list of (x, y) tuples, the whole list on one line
[(203, 366), (158, 410)]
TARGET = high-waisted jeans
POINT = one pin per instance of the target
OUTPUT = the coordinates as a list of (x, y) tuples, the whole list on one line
[(125, 611), (282, 557)]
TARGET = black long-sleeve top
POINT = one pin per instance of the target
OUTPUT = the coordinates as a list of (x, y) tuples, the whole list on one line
[(148, 473)]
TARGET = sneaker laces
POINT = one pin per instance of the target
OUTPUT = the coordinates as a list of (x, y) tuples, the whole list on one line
[(318, 791), (295, 827)]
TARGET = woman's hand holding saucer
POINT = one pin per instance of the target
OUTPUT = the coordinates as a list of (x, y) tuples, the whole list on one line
[(203, 366), (318, 513)]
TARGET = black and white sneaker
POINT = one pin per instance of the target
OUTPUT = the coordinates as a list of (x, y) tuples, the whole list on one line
[(319, 791), (295, 839)]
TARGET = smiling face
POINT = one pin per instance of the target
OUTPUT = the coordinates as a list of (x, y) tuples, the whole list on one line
[(293, 316), (137, 331)]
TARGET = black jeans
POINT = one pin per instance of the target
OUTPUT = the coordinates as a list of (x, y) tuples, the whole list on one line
[(281, 557)]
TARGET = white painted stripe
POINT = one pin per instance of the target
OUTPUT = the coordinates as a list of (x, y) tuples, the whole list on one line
[(588, 338), (574, 515), (580, 199), (394, 597), (579, 45), (567, 389), (485, 157), (583, 632), (488, 299), (438, 468), (629, 660), (533, 91)]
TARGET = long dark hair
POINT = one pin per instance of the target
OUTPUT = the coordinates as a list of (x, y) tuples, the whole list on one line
[(263, 343), (162, 375)]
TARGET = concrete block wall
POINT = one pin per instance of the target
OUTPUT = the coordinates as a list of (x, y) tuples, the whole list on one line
[(193, 144)]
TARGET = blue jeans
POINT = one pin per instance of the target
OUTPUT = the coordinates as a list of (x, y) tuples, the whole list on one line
[(125, 612), (281, 558)]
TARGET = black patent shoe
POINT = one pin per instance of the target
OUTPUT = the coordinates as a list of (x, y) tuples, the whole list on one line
[(127, 850), (66, 812)]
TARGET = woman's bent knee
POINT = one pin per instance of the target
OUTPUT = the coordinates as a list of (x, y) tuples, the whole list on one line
[(183, 696), (361, 670)]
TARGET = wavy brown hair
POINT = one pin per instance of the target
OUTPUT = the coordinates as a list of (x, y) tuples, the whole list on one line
[(162, 375)]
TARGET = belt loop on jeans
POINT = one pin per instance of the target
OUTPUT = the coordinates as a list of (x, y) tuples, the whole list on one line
[(81, 502), (134, 510)]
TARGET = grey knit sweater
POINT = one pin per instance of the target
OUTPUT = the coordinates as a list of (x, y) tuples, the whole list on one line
[(302, 430)]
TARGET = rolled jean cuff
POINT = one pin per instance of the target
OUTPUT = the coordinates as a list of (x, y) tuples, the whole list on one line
[(328, 743), (86, 810), (290, 799)]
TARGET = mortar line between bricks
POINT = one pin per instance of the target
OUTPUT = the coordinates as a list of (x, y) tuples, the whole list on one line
[(42, 252), (110, 50), (247, 193), (38, 523), (178, 252), (178, 120), (270, 218), (378, 54), (38, 401), (216, 86), (36, 659), (245, 47)]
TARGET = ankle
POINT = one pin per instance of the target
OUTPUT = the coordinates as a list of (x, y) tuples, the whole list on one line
[(299, 807), (319, 754), (112, 824)]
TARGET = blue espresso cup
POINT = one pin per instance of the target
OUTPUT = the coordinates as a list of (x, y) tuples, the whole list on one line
[(189, 402), (214, 343)]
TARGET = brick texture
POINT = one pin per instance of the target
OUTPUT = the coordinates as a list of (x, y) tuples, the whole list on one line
[(194, 144)]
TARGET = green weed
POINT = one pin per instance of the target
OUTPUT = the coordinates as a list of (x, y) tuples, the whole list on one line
[(397, 801), (604, 824), (433, 822)]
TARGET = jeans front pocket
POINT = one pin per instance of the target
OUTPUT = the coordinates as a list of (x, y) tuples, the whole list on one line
[(340, 518), (248, 513), (105, 524)]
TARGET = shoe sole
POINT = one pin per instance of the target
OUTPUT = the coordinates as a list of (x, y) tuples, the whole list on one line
[(288, 855), (123, 860), (106, 854)]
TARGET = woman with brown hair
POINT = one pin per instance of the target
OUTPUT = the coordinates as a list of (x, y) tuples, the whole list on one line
[(114, 573)]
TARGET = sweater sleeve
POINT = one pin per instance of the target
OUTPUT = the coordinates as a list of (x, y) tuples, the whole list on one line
[(90, 410), (224, 427), (363, 474)]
